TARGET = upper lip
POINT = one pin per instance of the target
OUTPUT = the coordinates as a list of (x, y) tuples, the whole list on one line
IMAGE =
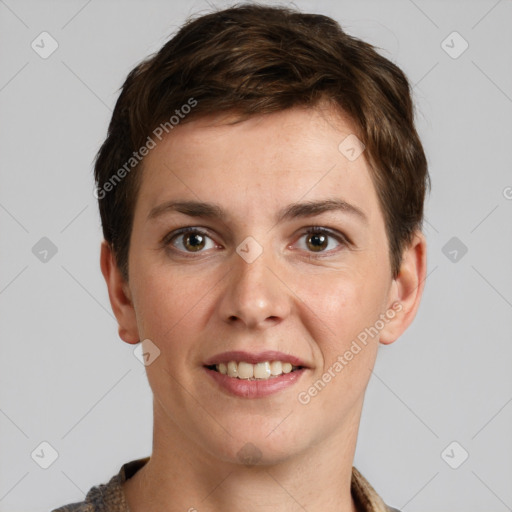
[(254, 358)]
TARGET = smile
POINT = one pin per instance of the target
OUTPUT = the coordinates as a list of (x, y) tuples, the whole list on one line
[(260, 371), (254, 374)]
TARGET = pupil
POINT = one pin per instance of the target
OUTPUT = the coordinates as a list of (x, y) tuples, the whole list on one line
[(318, 241), (195, 241)]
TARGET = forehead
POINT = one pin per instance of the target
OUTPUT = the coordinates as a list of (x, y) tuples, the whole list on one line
[(264, 160)]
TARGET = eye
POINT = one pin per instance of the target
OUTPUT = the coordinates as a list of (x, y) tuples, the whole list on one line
[(189, 240), (318, 239), (195, 240)]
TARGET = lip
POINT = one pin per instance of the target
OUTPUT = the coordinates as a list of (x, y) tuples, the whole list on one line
[(254, 358), (254, 388)]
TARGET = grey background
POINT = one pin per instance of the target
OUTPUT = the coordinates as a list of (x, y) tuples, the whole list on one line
[(67, 379)]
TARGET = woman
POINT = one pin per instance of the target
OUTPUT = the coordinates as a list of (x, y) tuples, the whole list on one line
[(261, 192)]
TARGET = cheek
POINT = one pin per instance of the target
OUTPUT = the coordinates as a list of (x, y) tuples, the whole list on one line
[(343, 301), (164, 302), (173, 311), (339, 310)]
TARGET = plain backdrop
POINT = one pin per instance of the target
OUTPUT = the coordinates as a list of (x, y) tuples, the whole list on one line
[(441, 393)]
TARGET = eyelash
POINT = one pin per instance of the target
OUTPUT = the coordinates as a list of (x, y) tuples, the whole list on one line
[(310, 230)]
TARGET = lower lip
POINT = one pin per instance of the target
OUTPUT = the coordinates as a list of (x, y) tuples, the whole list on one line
[(255, 388)]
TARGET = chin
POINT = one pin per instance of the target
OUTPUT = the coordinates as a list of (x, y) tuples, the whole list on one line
[(256, 449)]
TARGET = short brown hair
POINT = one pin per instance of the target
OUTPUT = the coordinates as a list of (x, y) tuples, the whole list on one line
[(252, 59)]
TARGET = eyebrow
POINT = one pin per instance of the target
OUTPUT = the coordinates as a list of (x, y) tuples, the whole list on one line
[(290, 212)]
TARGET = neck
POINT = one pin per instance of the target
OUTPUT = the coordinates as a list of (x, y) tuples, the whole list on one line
[(182, 476)]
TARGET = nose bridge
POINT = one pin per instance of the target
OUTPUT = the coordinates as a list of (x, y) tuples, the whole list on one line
[(256, 296)]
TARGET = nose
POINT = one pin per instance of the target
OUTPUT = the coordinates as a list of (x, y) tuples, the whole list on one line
[(256, 295)]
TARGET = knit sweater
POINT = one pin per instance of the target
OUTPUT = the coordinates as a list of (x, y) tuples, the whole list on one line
[(110, 497)]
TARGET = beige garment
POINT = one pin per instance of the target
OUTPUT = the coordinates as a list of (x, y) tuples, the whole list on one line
[(110, 497)]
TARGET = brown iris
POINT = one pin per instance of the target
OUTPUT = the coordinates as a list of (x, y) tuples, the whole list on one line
[(193, 241), (317, 242)]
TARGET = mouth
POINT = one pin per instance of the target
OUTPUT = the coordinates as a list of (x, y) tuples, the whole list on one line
[(264, 370), (255, 375), (266, 365)]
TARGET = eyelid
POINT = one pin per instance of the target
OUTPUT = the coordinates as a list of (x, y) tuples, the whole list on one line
[(341, 238), (169, 237), (315, 228)]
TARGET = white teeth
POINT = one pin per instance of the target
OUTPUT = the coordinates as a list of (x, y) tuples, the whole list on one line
[(232, 369), (259, 371), (276, 368), (245, 370), (287, 367), (262, 370)]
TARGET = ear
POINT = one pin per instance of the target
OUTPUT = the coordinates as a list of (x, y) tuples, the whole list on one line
[(406, 290), (119, 294)]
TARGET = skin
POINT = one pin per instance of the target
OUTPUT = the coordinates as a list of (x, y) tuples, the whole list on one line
[(294, 298)]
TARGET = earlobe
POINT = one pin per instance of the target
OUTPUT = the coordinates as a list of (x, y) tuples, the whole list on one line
[(119, 295), (406, 289)]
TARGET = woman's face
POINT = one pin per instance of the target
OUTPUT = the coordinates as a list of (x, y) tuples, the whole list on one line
[(259, 269)]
